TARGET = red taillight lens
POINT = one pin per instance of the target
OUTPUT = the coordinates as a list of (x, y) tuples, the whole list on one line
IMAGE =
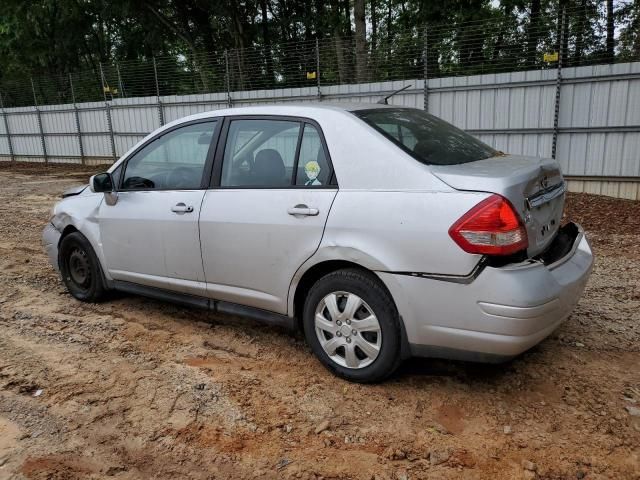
[(490, 228)]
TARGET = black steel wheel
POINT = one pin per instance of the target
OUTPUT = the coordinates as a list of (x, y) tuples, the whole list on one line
[(80, 268)]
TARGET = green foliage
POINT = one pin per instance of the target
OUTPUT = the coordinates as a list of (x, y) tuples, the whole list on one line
[(272, 43)]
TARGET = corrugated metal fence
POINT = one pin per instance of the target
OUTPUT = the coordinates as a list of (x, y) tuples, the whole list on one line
[(592, 111)]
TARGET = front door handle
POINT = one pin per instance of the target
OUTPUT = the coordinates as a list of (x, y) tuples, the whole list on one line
[(303, 210), (182, 208)]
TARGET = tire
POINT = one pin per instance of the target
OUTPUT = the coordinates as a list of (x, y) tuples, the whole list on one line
[(80, 268), (377, 352)]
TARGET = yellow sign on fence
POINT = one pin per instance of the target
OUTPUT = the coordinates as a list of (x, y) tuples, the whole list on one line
[(311, 75), (551, 57)]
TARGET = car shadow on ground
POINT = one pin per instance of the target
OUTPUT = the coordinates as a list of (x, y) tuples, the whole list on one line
[(487, 374)]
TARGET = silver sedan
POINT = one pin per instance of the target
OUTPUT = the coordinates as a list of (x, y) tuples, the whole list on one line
[(381, 232)]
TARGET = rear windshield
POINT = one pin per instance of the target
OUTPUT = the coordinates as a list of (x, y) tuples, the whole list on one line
[(427, 138)]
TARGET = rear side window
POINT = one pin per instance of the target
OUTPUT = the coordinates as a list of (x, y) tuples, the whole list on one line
[(313, 167), (428, 139), (269, 153)]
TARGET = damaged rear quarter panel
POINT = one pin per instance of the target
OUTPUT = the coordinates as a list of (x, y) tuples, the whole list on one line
[(400, 231)]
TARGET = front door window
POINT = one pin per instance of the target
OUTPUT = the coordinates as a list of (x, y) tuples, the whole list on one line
[(174, 161)]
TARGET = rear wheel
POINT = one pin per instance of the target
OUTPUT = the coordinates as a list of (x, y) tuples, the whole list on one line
[(80, 268), (352, 326)]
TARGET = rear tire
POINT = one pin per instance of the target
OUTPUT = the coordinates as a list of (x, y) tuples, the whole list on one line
[(352, 325), (80, 268)]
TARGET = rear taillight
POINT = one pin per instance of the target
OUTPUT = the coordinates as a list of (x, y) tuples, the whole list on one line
[(490, 228)]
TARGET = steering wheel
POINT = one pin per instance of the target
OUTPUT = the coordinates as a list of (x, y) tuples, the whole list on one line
[(181, 178)]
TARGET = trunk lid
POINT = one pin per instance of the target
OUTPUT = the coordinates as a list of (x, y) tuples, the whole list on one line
[(534, 186)]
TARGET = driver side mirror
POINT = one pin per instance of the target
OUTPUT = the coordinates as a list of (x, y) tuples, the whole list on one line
[(101, 183)]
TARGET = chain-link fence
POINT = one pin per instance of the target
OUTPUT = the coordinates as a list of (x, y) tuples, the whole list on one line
[(581, 35)]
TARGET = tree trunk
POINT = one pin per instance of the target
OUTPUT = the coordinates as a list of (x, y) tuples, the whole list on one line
[(389, 19), (267, 42), (533, 35), (185, 38), (338, 38), (636, 24), (582, 23), (610, 31), (238, 33), (374, 26), (361, 40)]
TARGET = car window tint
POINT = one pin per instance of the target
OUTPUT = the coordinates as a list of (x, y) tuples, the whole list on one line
[(313, 167), (427, 138), (174, 161), (400, 133), (260, 153)]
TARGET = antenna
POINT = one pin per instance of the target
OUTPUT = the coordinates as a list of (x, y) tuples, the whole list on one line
[(383, 101)]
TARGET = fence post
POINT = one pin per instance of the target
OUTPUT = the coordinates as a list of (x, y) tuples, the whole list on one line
[(425, 60), (39, 118), (104, 92), (108, 113), (6, 129), (556, 113), (318, 68), (227, 79), (120, 84), (76, 114), (160, 109)]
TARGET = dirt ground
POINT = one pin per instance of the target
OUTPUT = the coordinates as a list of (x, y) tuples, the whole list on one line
[(135, 388)]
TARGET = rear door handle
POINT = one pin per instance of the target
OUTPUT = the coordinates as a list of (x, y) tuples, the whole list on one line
[(303, 210), (182, 208)]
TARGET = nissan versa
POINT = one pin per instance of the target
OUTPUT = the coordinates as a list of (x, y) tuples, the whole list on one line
[(383, 232)]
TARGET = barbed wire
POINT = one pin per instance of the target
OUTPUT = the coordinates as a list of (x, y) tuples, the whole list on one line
[(493, 45)]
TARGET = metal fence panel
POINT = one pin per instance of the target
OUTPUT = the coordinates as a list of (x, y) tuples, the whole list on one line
[(58, 121), (62, 146), (92, 119), (598, 118), (23, 122), (97, 145)]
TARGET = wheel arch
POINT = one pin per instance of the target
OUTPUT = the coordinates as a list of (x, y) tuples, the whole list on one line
[(312, 275), (66, 231), (316, 271)]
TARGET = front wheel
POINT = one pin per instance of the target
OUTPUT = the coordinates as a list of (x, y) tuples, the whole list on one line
[(80, 268), (352, 326)]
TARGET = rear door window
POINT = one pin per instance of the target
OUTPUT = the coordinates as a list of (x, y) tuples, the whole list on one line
[(260, 153), (271, 153), (428, 139)]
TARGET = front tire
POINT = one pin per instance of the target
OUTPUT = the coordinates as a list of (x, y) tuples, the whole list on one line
[(352, 325), (80, 268)]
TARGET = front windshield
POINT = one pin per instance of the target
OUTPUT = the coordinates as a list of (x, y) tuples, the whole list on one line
[(428, 139)]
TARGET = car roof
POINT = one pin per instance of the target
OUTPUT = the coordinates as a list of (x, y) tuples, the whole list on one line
[(344, 106), (308, 109), (361, 156)]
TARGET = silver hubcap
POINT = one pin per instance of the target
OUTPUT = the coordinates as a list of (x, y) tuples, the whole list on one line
[(348, 330)]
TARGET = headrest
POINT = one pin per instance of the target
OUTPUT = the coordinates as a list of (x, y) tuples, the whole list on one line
[(268, 168)]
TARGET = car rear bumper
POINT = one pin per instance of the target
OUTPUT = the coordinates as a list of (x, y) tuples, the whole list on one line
[(497, 315), (50, 240)]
